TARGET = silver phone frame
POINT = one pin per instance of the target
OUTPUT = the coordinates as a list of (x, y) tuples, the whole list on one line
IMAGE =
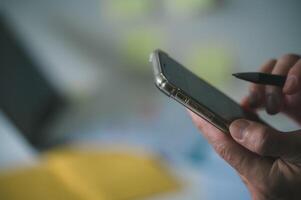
[(180, 96)]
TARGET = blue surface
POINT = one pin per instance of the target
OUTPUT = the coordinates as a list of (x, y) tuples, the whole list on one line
[(173, 136)]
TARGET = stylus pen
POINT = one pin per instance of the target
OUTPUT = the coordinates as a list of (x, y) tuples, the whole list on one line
[(262, 78)]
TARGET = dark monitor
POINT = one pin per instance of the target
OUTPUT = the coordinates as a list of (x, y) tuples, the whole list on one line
[(26, 97)]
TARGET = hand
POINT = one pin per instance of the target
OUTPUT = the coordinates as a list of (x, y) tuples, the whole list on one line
[(275, 99), (268, 161)]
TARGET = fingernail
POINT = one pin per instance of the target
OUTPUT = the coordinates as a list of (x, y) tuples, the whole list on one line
[(238, 129), (273, 103), (253, 99), (291, 83)]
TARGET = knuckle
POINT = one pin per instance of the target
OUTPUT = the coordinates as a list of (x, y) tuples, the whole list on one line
[(223, 151), (219, 148), (261, 140)]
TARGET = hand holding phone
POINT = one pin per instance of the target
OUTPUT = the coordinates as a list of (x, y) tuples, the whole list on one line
[(268, 161)]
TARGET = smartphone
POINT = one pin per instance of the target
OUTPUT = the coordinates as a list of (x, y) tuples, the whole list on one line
[(196, 94)]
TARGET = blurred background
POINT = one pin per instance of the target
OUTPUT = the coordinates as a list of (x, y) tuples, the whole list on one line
[(80, 117)]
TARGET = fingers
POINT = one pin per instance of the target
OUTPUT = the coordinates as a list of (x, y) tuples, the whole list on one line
[(293, 83), (266, 141), (274, 95), (257, 92), (237, 156)]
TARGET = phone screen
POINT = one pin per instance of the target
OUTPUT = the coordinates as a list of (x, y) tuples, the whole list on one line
[(199, 90)]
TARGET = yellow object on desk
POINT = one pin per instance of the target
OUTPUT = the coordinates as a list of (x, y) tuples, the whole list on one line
[(89, 175), (33, 184)]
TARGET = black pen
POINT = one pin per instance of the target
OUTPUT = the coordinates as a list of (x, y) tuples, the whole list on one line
[(262, 78)]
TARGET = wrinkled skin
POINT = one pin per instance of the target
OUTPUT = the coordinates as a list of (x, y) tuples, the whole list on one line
[(268, 161)]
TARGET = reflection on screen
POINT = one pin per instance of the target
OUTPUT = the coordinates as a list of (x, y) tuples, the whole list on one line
[(200, 90)]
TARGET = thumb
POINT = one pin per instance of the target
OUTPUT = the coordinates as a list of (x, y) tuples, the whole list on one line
[(266, 141)]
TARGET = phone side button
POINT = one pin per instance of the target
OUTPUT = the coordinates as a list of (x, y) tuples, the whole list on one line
[(182, 97)]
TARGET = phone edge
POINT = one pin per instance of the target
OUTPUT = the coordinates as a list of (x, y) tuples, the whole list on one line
[(170, 90)]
